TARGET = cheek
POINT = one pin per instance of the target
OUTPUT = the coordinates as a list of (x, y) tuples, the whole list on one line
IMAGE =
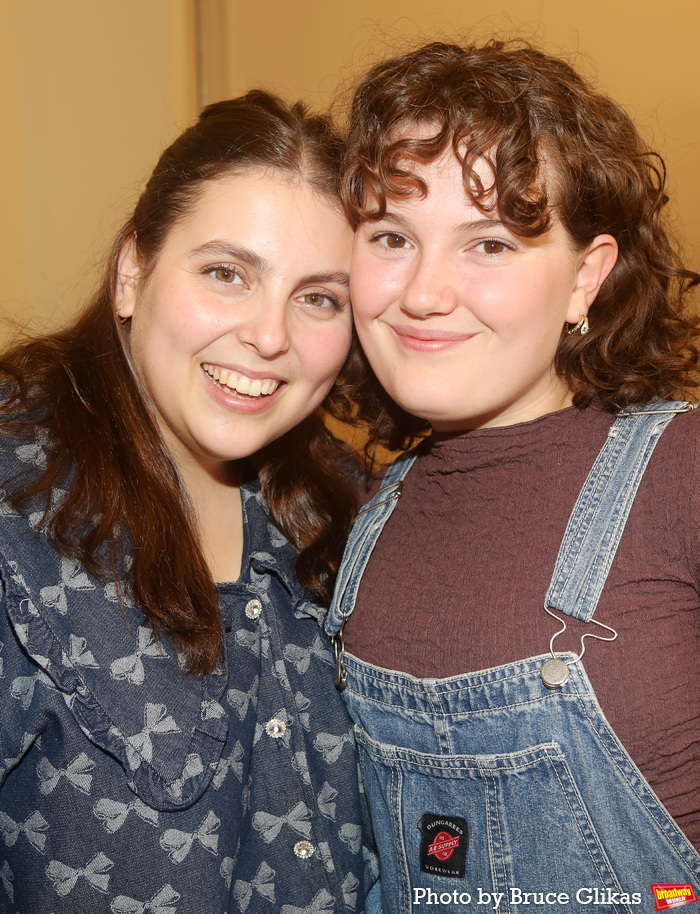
[(526, 305), (378, 355), (324, 354), (374, 283), (165, 319)]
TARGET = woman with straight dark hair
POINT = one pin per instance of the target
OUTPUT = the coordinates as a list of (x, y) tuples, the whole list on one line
[(517, 293), (173, 512)]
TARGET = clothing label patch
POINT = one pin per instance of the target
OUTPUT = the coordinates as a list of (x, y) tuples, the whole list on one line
[(671, 896), (443, 849)]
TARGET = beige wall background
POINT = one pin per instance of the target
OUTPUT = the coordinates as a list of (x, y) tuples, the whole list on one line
[(92, 90)]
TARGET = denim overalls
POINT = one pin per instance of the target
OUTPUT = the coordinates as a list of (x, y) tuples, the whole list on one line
[(507, 790)]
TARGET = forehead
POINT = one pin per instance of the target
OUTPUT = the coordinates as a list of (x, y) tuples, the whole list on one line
[(255, 182), (529, 183), (444, 175), (442, 197), (475, 139), (256, 198), (263, 215)]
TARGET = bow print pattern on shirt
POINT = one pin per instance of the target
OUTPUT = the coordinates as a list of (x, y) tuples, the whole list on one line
[(127, 786)]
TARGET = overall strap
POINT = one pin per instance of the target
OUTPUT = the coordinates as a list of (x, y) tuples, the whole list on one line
[(363, 537), (603, 506)]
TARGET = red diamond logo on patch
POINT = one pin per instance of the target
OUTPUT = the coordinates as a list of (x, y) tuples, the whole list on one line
[(444, 845)]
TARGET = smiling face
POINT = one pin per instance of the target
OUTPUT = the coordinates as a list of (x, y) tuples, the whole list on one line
[(241, 327), (459, 317)]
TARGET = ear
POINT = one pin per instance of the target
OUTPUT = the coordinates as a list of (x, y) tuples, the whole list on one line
[(128, 272), (597, 261)]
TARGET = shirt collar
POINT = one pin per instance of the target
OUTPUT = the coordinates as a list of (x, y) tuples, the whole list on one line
[(267, 551)]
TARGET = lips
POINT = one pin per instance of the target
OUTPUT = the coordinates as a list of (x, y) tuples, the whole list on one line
[(231, 380), (426, 339)]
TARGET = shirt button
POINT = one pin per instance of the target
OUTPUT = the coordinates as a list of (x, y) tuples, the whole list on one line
[(253, 609), (276, 728), (304, 849)]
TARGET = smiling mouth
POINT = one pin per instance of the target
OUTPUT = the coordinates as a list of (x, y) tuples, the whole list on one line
[(430, 341), (239, 383), (431, 335)]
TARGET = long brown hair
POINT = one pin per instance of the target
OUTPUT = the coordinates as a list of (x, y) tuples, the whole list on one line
[(125, 514), (515, 107)]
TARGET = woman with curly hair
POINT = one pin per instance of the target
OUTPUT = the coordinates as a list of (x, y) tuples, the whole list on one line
[(522, 305), (172, 517)]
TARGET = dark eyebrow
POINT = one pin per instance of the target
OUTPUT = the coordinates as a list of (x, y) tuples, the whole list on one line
[(341, 278), (482, 224), (394, 218), (235, 252)]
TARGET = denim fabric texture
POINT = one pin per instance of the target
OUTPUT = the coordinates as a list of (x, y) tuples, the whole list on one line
[(127, 786), (530, 780)]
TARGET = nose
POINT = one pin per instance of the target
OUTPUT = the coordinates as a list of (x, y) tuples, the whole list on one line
[(265, 328), (432, 287)]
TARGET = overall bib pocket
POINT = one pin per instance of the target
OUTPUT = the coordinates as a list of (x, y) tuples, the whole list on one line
[(516, 819)]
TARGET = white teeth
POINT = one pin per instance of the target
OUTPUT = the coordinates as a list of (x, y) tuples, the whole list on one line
[(251, 387)]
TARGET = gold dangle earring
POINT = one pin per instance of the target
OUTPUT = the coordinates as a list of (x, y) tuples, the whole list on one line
[(582, 325)]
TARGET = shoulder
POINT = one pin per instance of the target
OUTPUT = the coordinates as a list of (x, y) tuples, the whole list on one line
[(676, 462), (671, 484), (680, 437), (687, 423), (23, 452), (677, 440)]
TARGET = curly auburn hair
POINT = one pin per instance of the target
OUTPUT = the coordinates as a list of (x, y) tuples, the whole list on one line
[(515, 107), (78, 387)]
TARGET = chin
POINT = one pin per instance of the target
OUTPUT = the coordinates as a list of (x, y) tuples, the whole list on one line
[(432, 410)]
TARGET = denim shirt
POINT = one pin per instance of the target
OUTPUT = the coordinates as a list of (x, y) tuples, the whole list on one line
[(127, 786)]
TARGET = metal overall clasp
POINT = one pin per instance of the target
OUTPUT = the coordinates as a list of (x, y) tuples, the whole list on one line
[(341, 674), (555, 672), (392, 492)]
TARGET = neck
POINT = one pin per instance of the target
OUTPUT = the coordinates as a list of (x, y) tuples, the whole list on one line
[(214, 494)]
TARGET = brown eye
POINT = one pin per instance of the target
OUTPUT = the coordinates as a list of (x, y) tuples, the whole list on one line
[(225, 274), (320, 301), (395, 241), (492, 246)]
